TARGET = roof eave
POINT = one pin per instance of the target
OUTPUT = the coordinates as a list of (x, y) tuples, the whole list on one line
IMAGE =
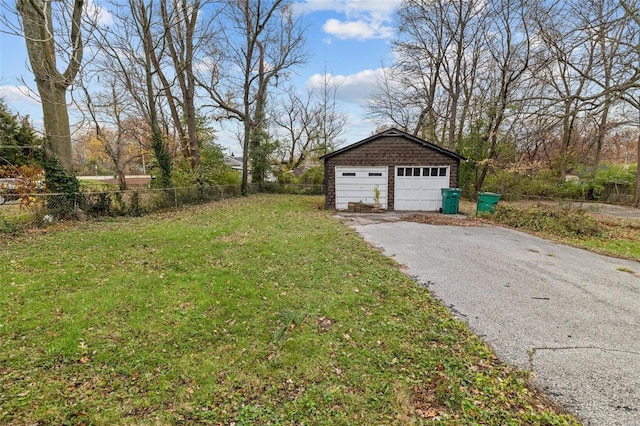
[(395, 133)]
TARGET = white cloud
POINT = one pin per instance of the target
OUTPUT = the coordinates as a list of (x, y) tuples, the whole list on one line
[(99, 13), (365, 19), (351, 7), (360, 30), (354, 88), (353, 91), (18, 96), (22, 100)]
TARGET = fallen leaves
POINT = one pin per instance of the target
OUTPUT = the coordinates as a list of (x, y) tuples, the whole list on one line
[(438, 219), (427, 405), (324, 323)]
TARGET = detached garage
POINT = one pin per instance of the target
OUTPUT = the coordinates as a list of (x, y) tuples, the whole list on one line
[(407, 172)]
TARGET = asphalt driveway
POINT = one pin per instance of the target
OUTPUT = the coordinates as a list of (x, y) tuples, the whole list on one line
[(570, 316)]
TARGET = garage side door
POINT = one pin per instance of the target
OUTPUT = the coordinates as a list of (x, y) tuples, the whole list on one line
[(418, 188), (357, 184)]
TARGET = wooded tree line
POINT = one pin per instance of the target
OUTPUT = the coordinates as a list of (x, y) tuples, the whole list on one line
[(503, 82), (157, 74), (508, 81)]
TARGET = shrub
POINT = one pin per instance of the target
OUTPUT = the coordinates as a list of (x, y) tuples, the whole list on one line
[(561, 220), (57, 180), (211, 172), (313, 176), (135, 207), (97, 204), (544, 183), (7, 226)]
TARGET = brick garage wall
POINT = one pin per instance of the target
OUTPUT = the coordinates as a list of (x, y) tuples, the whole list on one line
[(388, 151)]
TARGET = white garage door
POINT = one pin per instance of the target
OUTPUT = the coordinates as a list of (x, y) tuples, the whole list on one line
[(418, 188), (357, 184)]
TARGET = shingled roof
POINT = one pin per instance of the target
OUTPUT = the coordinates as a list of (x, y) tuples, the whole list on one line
[(395, 133)]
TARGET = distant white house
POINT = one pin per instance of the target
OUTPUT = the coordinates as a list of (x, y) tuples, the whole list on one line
[(236, 164)]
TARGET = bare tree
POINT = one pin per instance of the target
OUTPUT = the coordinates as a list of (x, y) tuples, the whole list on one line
[(463, 23), (422, 51), (508, 43), (591, 68), (329, 118), (429, 89), (293, 117), (602, 21), (494, 77), (632, 97), (43, 50), (261, 40), (142, 14), (185, 30), (114, 124), (131, 49), (404, 107), (570, 59), (311, 123)]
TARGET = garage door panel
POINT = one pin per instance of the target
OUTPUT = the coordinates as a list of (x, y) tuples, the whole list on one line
[(357, 184), (361, 194), (360, 180), (420, 188)]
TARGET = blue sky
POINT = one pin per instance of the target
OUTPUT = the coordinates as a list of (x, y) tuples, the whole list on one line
[(349, 39)]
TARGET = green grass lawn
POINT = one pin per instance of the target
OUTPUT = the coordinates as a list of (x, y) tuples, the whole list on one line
[(261, 310)]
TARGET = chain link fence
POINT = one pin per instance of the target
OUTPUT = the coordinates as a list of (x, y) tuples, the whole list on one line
[(37, 210)]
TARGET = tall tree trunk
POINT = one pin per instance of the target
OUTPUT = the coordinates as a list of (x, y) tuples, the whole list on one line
[(37, 23), (192, 124), (179, 20), (142, 14), (56, 122), (602, 130), (637, 200), (565, 142), (453, 120), (257, 144), (122, 181), (173, 108), (244, 186), (188, 84)]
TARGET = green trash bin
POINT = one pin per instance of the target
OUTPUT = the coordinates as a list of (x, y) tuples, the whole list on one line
[(487, 202), (450, 200)]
